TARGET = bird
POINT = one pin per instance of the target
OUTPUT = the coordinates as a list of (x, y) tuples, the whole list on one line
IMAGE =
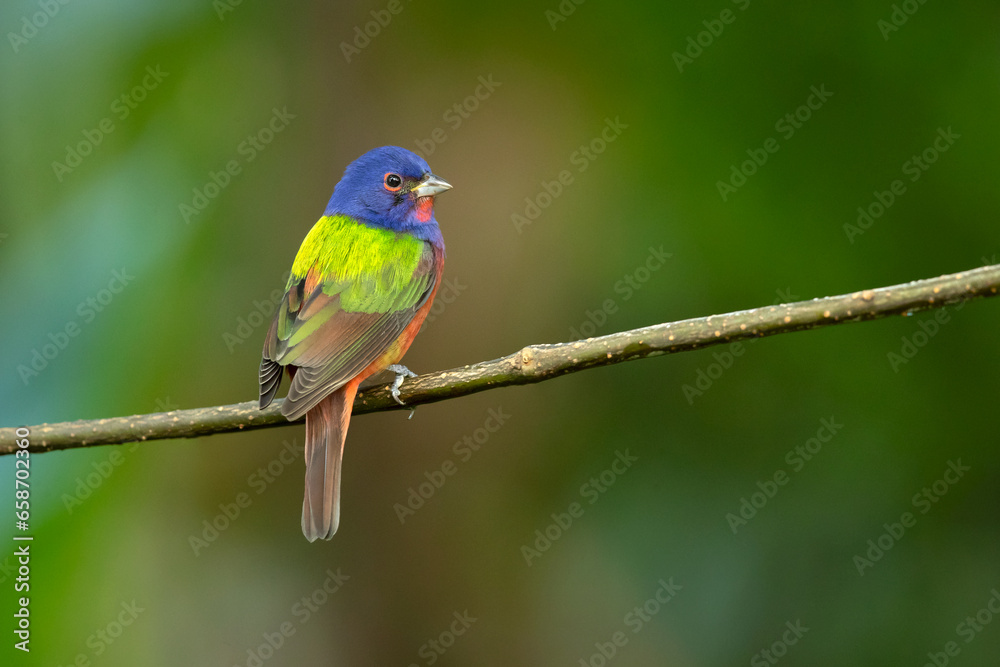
[(360, 287)]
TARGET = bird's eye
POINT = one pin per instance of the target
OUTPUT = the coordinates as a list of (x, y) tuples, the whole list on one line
[(393, 182)]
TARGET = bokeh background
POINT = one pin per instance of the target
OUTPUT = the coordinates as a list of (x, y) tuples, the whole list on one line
[(179, 330)]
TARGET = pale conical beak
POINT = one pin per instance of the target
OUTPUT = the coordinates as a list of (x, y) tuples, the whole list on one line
[(430, 186)]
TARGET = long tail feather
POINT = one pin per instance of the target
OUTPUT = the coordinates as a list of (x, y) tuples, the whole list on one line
[(326, 430)]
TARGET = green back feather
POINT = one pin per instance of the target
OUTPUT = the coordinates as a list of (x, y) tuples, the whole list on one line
[(372, 269)]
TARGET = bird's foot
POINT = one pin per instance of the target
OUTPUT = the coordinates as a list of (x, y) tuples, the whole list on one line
[(402, 372)]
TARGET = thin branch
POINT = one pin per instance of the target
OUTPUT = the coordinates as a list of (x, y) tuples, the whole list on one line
[(536, 363)]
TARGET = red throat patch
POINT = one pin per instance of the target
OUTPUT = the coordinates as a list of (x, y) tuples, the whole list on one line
[(425, 208)]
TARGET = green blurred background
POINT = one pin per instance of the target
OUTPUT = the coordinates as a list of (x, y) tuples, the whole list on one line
[(182, 333)]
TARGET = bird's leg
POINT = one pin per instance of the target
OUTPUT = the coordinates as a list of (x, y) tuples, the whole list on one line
[(402, 372)]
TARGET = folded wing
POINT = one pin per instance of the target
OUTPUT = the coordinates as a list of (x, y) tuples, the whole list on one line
[(360, 291)]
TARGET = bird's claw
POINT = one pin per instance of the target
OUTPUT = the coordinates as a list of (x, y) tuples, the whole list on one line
[(402, 372)]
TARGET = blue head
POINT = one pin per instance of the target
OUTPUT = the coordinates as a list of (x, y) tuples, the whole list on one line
[(390, 187)]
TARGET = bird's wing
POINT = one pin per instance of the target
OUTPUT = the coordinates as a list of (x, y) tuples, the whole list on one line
[(352, 292)]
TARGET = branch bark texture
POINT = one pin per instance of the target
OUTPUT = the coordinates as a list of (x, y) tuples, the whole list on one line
[(537, 363)]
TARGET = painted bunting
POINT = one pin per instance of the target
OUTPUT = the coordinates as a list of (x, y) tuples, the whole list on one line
[(360, 287)]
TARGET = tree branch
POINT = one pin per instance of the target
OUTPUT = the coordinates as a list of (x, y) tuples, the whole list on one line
[(536, 363)]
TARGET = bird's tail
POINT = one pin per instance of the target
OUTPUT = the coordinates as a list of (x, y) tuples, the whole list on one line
[(326, 430)]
